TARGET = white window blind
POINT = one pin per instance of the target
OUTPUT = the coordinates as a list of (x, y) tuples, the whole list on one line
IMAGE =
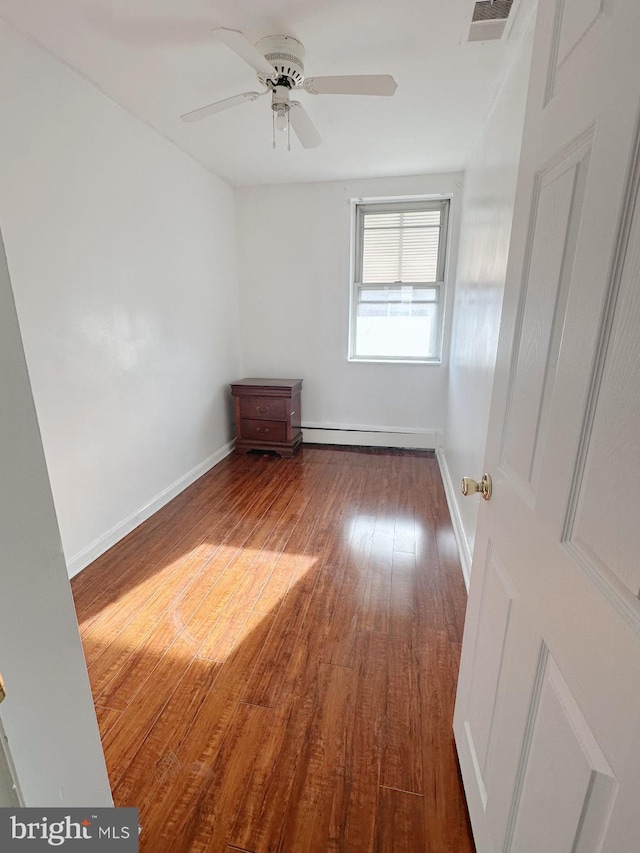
[(401, 246), (399, 276)]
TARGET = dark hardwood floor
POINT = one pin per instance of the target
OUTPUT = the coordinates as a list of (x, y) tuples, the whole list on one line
[(273, 659)]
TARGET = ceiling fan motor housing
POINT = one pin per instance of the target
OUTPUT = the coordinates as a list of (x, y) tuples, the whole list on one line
[(286, 54)]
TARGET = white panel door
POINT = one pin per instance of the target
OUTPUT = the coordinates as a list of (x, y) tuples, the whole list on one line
[(547, 720)]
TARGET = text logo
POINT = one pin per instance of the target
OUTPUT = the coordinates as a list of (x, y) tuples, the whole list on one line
[(33, 829)]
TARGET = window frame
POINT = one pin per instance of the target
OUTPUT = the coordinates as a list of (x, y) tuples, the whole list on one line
[(360, 207)]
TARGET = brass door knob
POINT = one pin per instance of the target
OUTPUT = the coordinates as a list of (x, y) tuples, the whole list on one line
[(3, 690), (472, 487)]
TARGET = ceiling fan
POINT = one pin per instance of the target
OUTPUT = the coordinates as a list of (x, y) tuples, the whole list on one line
[(279, 63)]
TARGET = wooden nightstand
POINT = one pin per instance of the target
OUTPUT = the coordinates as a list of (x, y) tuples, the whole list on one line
[(267, 415)]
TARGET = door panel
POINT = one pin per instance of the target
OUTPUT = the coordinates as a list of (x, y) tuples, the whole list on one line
[(606, 534), (549, 690), (595, 290), (578, 26), (576, 19), (496, 609), (8, 787), (561, 746), (556, 211)]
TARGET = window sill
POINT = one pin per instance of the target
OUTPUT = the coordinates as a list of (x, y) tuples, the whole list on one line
[(373, 360)]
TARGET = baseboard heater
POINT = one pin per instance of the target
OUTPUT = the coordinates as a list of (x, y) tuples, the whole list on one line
[(371, 436)]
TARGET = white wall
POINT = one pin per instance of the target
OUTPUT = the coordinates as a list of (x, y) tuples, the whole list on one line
[(48, 714), (122, 256), (487, 212), (293, 266)]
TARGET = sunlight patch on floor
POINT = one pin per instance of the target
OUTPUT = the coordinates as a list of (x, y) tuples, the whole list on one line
[(217, 624)]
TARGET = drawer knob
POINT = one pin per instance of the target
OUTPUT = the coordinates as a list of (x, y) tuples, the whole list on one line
[(262, 410), (263, 429)]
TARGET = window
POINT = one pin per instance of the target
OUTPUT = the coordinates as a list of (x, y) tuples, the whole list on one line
[(398, 287)]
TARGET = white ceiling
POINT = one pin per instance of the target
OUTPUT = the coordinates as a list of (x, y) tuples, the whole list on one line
[(157, 59)]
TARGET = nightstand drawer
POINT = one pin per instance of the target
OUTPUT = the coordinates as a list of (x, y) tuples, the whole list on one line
[(255, 430), (264, 408)]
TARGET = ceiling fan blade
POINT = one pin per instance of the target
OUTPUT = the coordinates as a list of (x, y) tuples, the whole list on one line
[(304, 128), (241, 46), (352, 84), (219, 106)]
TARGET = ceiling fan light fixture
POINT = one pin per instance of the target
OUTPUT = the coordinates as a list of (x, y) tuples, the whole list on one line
[(280, 106), (282, 117)]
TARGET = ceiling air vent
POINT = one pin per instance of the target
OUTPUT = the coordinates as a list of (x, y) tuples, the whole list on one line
[(489, 19)]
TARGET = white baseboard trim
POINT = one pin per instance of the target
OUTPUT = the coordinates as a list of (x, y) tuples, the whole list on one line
[(371, 436), (456, 520), (82, 559)]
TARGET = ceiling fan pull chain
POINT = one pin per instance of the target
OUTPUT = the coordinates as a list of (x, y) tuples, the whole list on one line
[(273, 128), (288, 132)]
